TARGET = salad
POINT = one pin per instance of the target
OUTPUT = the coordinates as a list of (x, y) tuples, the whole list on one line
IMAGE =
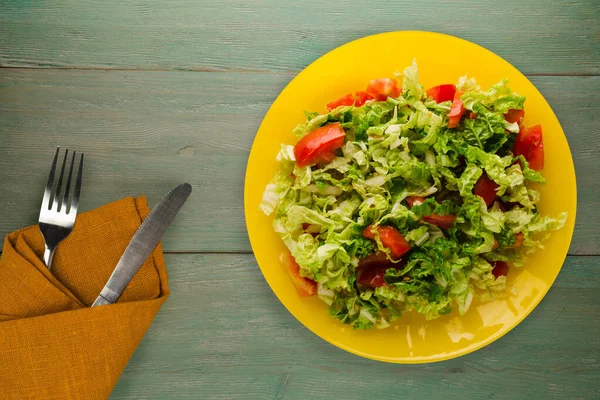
[(400, 198)]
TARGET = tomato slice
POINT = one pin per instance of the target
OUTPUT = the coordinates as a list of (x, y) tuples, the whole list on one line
[(415, 200), (371, 269), (368, 233), (500, 269), (530, 144), (486, 189), (304, 286), (383, 88), (319, 145), (536, 155), (346, 100), (390, 238), (357, 99), (441, 93), (373, 260), (520, 148), (536, 158), (456, 111), (513, 116), (361, 97), (443, 221), (326, 157), (373, 276)]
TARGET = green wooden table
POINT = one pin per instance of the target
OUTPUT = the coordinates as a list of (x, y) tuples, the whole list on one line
[(160, 92)]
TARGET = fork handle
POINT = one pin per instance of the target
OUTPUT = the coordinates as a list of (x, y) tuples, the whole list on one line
[(48, 256)]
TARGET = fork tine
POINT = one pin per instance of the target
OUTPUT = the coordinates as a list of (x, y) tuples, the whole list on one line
[(75, 200), (68, 188), (48, 190), (56, 205)]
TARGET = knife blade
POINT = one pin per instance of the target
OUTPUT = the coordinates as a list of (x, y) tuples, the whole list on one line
[(142, 243)]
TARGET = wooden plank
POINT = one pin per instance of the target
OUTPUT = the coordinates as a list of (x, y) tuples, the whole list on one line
[(144, 132), (547, 37), (223, 335)]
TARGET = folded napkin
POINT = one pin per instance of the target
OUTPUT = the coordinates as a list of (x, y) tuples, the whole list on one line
[(52, 344)]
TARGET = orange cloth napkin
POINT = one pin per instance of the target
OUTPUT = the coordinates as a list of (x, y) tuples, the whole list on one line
[(52, 344)]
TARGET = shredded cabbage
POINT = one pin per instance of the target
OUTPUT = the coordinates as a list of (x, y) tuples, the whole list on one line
[(395, 149)]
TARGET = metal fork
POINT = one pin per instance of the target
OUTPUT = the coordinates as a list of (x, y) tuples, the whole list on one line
[(57, 219)]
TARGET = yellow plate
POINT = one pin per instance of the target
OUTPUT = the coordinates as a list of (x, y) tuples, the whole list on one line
[(441, 59)]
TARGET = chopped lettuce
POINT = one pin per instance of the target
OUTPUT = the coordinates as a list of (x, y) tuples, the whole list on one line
[(396, 149)]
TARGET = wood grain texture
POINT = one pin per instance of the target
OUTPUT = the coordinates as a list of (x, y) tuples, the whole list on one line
[(538, 37), (223, 335), (158, 92), (144, 132)]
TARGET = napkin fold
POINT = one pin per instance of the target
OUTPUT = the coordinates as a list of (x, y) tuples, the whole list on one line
[(52, 344)]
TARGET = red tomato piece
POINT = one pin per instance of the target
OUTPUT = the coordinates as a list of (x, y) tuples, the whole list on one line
[(456, 111), (441, 93), (319, 145), (513, 116), (371, 269), (520, 148), (390, 238), (383, 88), (500, 269), (372, 260), (415, 200), (443, 221), (472, 115), (486, 189), (369, 233), (304, 286), (357, 99), (361, 97), (326, 157), (393, 240), (346, 100), (373, 276), (530, 144), (536, 158), (536, 150)]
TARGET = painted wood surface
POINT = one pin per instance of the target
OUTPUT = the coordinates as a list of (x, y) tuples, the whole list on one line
[(550, 37), (160, 92), (145, 131), (223, 335)]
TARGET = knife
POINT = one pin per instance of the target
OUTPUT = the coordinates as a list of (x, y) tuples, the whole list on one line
[(143, 243)]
